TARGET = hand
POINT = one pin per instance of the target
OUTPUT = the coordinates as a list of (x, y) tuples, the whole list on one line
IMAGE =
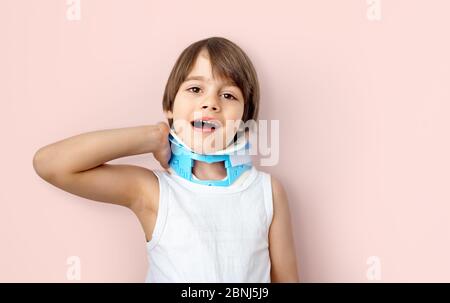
[(164, 152)]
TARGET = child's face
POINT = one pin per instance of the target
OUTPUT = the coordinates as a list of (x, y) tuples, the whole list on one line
[(207, 97)]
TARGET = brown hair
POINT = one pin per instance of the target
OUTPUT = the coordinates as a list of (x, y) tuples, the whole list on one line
[(228, 61)]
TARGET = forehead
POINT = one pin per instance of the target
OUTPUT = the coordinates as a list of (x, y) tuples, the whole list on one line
[(202, 71)]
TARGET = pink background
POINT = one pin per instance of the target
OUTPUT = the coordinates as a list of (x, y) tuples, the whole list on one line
[(363, 108)]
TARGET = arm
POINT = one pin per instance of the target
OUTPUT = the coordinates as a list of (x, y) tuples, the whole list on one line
[(281, 242), (77, 164)]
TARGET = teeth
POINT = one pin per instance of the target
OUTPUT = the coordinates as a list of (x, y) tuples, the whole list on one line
[(209, 123), (200, 123), (197, 123)]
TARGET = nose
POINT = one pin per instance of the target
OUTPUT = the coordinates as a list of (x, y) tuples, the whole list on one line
[(212, 107), (210, 103)]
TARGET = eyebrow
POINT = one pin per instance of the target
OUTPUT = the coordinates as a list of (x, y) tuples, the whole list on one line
[(201, 78)]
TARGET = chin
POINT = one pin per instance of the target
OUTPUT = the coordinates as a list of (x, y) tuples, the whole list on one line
[(203, 143), (204, 148)]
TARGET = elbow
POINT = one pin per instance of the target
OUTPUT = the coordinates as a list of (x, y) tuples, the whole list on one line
[(41, 165)]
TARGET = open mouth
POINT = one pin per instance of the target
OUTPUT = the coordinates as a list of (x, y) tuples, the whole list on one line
[(206, 126)]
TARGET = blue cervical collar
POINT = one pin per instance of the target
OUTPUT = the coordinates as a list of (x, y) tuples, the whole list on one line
[(236, 157)]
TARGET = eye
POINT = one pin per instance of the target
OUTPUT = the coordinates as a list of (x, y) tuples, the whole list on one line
[(189, 89), (233, 97)]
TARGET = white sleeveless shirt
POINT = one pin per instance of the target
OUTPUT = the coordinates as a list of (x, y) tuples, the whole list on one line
[(207, 234)]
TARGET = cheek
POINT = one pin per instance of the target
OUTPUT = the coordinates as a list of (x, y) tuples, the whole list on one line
[(234, 117), (182, 108), (234, 111)]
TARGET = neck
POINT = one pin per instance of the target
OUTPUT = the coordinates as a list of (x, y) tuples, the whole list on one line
[(209, 171)]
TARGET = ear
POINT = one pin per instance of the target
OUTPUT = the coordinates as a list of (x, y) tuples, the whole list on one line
[(168, 114)]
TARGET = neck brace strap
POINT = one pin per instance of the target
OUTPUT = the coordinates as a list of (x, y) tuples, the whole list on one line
[(236, 159)]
